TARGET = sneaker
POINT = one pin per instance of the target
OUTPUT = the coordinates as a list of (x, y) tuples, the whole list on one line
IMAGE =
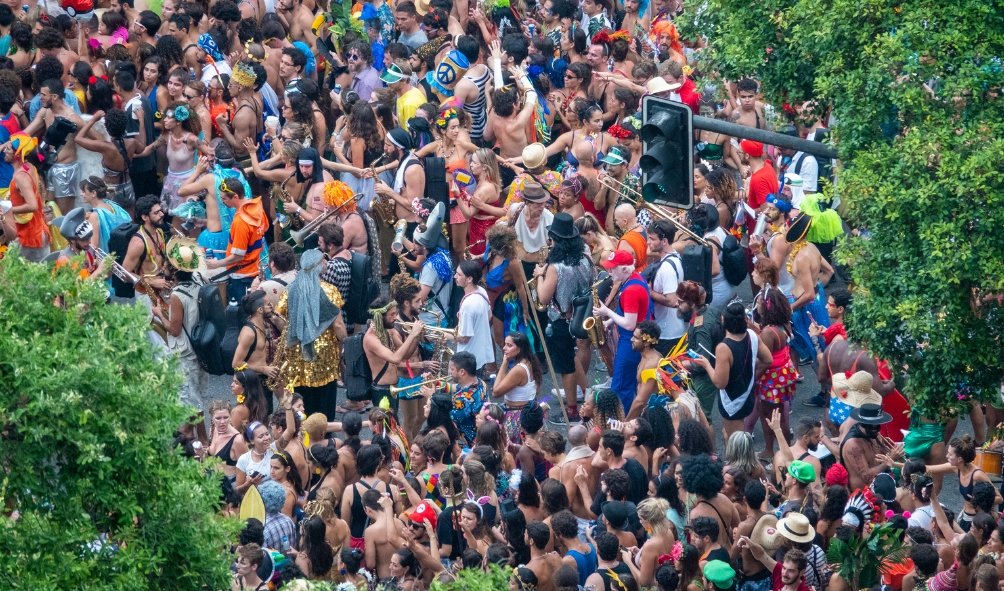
[(817, 400), (558, 395)]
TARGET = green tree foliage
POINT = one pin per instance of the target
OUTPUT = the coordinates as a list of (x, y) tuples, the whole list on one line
[(915, 88), (87, 415), (469, 579)]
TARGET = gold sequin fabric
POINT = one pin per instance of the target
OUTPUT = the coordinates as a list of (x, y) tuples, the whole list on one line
[(294, 371)]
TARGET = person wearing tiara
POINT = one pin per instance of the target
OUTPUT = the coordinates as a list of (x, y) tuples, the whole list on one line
[(247, 121)]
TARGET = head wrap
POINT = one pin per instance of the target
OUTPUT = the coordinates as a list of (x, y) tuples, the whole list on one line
[(783, 205), (312, 155), (378, 327), (23, 144), (400, 138), (243, 74), (946, 580), (837, 474), (310, 310), (207, 44), (311, 66)]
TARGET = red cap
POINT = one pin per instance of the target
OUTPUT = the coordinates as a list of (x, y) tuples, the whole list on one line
[(618, 258), (424, 512), (754, 149), (837, 474)]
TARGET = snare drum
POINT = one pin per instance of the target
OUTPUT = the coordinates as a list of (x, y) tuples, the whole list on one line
[(990, 461)]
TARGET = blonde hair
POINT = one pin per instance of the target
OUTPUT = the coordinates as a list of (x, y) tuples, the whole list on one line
[(218, 405), (490, 161), (314, 426), (653, 511)]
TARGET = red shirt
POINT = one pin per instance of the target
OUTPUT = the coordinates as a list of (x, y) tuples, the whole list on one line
[(762, 183), (775, 579), (635, 299), (689, 95)]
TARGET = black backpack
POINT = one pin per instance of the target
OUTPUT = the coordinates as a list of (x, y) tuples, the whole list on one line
[(228, 344), (118, 244), (357, 376), (696, 262), (733, 260), (435, 180), (363, 290), (207, 335)]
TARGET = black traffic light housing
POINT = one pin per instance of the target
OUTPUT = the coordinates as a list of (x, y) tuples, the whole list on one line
[(667, 161)]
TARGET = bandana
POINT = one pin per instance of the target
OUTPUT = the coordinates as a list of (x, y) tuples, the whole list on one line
[(209, 46), (782, 205)]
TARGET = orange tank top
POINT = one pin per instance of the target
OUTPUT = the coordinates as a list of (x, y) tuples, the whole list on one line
[(34, 233)]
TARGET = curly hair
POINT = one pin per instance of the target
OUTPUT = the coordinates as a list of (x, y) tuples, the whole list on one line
[(767, 269), (502, 240), (663, 431), (693, 293), (773, 308), (703, 476), (694, 438), (404, 288), (606, 405), (362, 123), (191, 124)]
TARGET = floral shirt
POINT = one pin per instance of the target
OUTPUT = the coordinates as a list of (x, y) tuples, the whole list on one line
[(467, 403)]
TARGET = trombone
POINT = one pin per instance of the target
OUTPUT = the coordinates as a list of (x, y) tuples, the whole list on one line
[(531, 286), (398, 389), (659, 211), (300, 236), (410, 326)]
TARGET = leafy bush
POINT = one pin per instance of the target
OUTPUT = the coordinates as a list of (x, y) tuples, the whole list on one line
[(915, 89), (103, 500)]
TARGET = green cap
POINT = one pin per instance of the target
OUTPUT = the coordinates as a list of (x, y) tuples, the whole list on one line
[(617, 155), (720, 574), (802, 471), (394, 73)]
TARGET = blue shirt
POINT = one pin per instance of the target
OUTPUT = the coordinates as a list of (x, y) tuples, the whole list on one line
[(36, 103)]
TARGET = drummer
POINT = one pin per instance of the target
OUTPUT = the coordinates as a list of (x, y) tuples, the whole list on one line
[(960, 459)]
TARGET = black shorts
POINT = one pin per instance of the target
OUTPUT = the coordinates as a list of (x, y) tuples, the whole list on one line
[(561, 346)]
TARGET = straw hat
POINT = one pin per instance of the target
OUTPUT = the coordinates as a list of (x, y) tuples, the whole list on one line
[(855, 390), (765, 534), (534, 156), (185, 254), (659, 85), (796, 527)]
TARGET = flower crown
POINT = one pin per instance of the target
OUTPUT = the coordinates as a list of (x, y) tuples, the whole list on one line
[(621, 34), (446, 116), (244, 75), (180, 113), (416, 205)]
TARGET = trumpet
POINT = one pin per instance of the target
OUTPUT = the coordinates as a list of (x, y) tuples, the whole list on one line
[(409, 326), (117, 269), (398, 389), (300, 236)]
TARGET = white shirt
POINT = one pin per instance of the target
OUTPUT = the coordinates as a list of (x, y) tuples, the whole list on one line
[(210, 71), (246, 465), (809, 171), (667, 280), (475, 322), (441, 290)]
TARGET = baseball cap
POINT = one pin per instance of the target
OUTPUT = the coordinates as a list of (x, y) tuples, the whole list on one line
[(618, 258)]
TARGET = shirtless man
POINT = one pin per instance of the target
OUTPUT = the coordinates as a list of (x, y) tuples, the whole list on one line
[(745, 109), (600, 89), (808, 436), (252, 341), (644, 339), (354, 228), (810, 272), (753, 571), (409, 180), (862, 445), (49, 41), (146, 254), (573, 469), (180, 26), (385, 351), (299, 20), (383, 537), (543, 563), (507, 127), (247, 119), (64, 177)]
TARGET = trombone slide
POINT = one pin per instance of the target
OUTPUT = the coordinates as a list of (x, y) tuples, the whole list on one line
[(398, 389)]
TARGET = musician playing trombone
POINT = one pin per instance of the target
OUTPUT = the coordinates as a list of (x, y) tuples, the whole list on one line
[(617, 184)]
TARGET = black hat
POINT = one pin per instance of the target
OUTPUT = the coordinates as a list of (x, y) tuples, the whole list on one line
[(616, 514), (563, 226), (870, 414), (74, 225), (798, 228), (401, 139)]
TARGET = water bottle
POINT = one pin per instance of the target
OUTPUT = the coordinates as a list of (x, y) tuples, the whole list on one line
[(191, 74), (233, 313)]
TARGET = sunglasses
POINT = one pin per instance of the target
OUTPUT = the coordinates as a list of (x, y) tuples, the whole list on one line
[(353, 56), (191, 96), (571, 77)]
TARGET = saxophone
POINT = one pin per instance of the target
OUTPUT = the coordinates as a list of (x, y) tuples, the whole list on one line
[(594, 324)]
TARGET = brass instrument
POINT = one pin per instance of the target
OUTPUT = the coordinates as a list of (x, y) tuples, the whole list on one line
[(384, 206), (300, 236), (397, 245), (659, 211), (467, 251), (282, 219), (594, 324), (117, 269), (409, 326), (395, 390), (531, 287)]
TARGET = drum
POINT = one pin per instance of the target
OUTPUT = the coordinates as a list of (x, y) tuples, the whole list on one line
[(990, 461)]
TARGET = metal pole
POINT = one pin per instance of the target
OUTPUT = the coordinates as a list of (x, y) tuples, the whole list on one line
[(760, 135)]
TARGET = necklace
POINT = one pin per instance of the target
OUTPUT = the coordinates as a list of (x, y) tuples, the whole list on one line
[(795, 248)]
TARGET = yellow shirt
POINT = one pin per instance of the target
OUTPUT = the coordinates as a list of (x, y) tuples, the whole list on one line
[(407, 104)]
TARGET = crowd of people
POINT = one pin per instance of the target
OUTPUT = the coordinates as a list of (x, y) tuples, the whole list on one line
[(393, 236)]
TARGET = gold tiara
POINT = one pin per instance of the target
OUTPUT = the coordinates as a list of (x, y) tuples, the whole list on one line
[(244, 75)]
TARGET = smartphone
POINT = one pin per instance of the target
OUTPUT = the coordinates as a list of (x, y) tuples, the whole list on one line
[(254, 474), (692, 354)]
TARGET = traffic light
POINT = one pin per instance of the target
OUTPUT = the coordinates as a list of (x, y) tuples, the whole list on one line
[(667, 161)]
